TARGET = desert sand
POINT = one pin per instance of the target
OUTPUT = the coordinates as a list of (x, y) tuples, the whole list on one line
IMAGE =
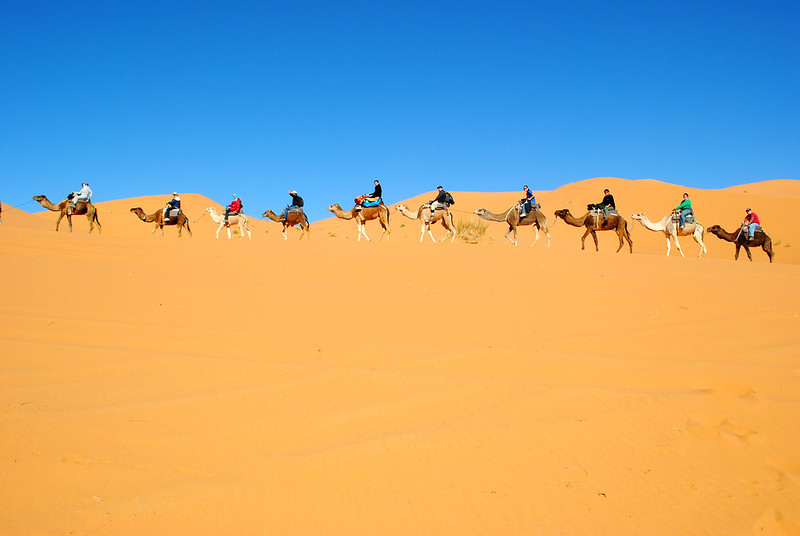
[(156, 385)]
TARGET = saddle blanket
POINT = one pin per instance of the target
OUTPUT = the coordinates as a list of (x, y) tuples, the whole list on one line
[(534, 206), (599, 212), (173, 213), (372, 203), (677, 219)]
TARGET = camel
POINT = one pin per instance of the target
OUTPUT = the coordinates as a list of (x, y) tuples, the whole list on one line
[(157, 217), (83, 207), (380, 213), (511, 217), (293, 218), (670, 229), (240, 219), (760, 238), (423, 214), (596, 223)]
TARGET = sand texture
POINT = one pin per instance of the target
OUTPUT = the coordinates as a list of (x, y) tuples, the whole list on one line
[(160, 385)]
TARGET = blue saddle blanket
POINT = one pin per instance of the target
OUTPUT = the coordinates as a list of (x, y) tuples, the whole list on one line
[(372, 203)]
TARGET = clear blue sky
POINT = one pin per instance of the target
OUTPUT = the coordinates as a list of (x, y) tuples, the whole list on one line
[(255, 98)]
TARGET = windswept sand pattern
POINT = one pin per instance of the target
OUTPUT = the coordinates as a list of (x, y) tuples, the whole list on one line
[(155, 385)]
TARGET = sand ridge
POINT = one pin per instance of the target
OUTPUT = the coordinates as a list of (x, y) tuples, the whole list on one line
[(199, 386)]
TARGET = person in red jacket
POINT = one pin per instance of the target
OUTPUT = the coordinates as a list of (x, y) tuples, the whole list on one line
[(752, 222), (234, 208)]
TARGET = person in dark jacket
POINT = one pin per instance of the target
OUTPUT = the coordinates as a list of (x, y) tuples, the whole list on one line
[(607, 204), (374, 196), (173, 204), (440, 202), (297, 202)]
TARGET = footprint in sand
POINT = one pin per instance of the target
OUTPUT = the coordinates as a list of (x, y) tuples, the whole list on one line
[(573, 475), (715, 428), (728, 390), (786, 467), (773, 523)]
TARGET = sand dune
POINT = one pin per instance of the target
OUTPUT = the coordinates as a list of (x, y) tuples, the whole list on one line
[(198, 386)]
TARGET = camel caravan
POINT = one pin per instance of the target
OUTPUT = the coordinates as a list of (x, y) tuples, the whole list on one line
[(602, 216)]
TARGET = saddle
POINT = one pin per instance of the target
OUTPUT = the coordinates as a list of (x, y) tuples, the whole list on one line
[(373, 203), (533, 206), (676, 218), (595, 211), (172, 214), (297, 211)]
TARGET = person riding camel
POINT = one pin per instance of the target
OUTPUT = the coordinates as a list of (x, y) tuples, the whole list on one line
[(234, 208), (607, 204), (684, 209), (527, 202), (84, 195), (752, 222), (297, 203), (442, 201), (373, 199), (173, 204)]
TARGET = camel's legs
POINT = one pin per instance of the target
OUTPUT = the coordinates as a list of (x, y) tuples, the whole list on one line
[(620, 235), (431, 233), (583, 238), (362, 230), (514, 241), (678, 244), (699, 239), (229, 232)]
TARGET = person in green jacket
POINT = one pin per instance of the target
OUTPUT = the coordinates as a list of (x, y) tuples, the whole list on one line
[(685, 208)]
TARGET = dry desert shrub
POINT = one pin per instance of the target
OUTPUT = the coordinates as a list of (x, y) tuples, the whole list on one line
[(470, 230)]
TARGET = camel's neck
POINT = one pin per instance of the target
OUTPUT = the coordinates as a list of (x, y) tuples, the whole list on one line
[(346, 215), (572, 220), (408, 214), (214, 216), (491, 216), (271, 215), (730, 237), (653, 226), (50, 206)]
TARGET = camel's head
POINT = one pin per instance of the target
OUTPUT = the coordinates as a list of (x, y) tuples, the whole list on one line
[(401, 207), (139, 213), (334, 207), (639, 217), (562, 213), (480, 211), (38, 198), (715, 229)]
